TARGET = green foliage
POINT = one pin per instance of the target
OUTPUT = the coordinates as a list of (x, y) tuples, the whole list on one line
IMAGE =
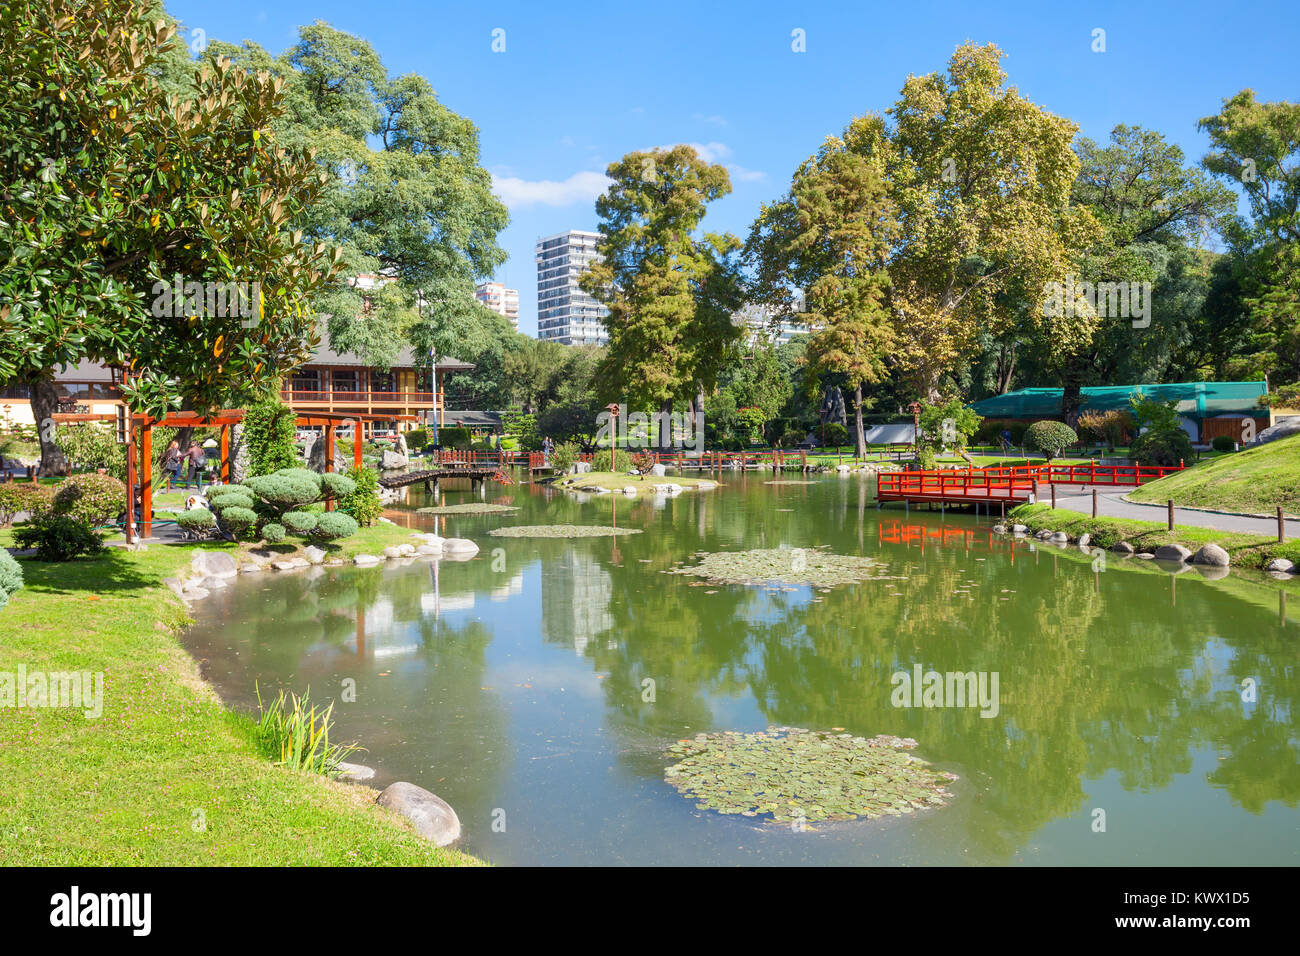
[(241, 523), (836, 435), (454, 437), (295, 734), (1167, 447), (334, 524), (363, 503), (336, 486), (1050, 437), (286, 489), (563, 456), (949, 424), (58, 537), (92, 498), (214, 491), (90, 445), (1112, 427), (299, 522), (11, 576), (18, 497), (1222, 443), (1154, 414), (273, 533), (270, 433), (417, 439), (196, 521), (792, 437), (604, 460), (925, 458), (231, 499)]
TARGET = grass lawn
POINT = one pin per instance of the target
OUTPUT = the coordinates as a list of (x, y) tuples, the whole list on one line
[(1256, 480), (617, 481), (1246, 550), (168, 775)]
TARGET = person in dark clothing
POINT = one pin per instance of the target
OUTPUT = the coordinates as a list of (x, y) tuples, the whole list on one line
[(197, 459), (171, 463)]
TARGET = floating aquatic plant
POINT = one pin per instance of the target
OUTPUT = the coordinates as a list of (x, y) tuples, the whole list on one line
[(788, 773), (472, 508), (782, 566), (561, 531)]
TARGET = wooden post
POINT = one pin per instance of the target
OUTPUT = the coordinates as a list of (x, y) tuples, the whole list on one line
[(146, 478), (129, 528), (225, 454), (329, 460), (1094, 502), (1281, 525), (1053, 494), (1171, 514), (356, 445)]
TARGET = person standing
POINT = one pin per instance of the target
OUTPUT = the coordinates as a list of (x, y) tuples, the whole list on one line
[(171, 463), (197, 458)]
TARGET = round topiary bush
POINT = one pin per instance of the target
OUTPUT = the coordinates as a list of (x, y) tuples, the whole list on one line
[(1222, 443), (196, 521), (212, 491), (1169, 447), (11, 576), (334, 524), (239, 522), (93, 498), (299, 522), (1050, 437), (287, 489), (336, 485), (20, 497), (272, 533), (231, 499)]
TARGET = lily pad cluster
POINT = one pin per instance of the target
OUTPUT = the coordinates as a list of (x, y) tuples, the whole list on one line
[(471, 508), (810, 566), (789, 773), (561, 531)]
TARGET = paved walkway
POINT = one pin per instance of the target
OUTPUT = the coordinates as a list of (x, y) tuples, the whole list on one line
[(1111, 504)]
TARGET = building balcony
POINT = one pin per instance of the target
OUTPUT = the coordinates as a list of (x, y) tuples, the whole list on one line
[(409, 399)]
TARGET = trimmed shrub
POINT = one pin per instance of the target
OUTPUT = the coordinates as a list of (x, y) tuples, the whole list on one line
[(363, 503), (1162, 447), (333, 524), (454, 437), (287, 489), (233, 499), (270, 434), (92, 498), (299, 522), (11, 576), (563, 456), (792, 437), (836, 435), (272, 533), (19, 497), (1050, 437), (1222, 443), (618, 460), (196, 521), (58, 537), (239, 522), (336, 485), (417, 438), (212, 491)]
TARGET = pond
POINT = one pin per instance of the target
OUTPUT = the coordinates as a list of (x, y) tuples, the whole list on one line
[(1141, 717)]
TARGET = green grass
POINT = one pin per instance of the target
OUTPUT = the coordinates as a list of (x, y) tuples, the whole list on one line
[(1245, 550), (1255, 481), (128, 788), (617, 481)]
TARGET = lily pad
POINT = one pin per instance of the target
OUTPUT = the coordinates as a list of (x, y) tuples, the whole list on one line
[(784, 566), (789, 773), (561, 531), (472, 508)]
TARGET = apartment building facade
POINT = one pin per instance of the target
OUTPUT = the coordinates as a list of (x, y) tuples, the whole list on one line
[(500, 300), (565, 313)]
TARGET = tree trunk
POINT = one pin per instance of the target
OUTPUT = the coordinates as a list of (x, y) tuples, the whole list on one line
[(665, 439), (1006, 367), (45, 403), (860, 435)]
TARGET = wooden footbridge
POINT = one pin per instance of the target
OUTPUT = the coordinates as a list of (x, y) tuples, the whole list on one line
[(1006, 486)]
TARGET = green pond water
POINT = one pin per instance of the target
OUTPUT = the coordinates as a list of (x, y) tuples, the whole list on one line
[(514, 685)]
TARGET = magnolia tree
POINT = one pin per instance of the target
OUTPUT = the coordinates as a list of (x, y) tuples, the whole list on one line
[(269, 507)]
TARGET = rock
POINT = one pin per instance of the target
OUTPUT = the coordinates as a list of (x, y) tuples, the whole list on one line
[(629, 490), (580, 468), (393, 551), (432, 818), (174, 585), (1060, 536), (262, 557), (313, 554), (1084, 539), (284, 565), (1280, 564), (1212, 572), (213, 583), (1172, 552), (428, 549), (999, 529), (1287, 426), (406, 548), (315, 456), (390, 460), (1018, 529), (252, 567), (668, 488), (365, 560), (196, 594), (843, 469), (459, 546), (658, 470), (1212, 555), (214, 564), (1122, 547), (705, 484), (355, 772)]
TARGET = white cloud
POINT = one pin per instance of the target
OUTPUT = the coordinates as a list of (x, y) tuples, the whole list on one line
[(519, 193)]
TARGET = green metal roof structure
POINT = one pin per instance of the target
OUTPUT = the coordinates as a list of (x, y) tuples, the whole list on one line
[(1196, 400)]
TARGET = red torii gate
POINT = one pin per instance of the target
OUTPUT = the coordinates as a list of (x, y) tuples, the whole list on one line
[(329, 421)]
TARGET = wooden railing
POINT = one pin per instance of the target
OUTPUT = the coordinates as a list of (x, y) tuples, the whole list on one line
[(320, 395), (1012, 482)]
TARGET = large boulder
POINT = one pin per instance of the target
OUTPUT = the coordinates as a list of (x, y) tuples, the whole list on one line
[(213, 564), (316, 456), (1172, 552), (1284, 428), (313, 554), (1122, 547), (1281, 565), (391, 460), (1212, 555), (459, 546), (431, 816), (658, 470)]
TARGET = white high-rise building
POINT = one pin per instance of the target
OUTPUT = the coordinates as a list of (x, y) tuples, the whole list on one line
[(565, 313), (499, 299), (765, 321)]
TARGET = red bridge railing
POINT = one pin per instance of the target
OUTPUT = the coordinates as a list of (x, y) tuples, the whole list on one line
[(1009, 483)]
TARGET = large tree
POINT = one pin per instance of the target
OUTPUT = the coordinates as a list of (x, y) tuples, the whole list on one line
[(670, 294), (981, 179), (110, 186), (831, 237)]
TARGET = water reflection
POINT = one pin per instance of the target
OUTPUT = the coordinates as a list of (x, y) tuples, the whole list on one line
[(521, 683)]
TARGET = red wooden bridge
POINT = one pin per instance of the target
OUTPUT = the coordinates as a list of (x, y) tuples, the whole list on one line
[(1007, 485)]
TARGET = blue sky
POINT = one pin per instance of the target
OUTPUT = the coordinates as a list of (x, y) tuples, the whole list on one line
[(579, 85)]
